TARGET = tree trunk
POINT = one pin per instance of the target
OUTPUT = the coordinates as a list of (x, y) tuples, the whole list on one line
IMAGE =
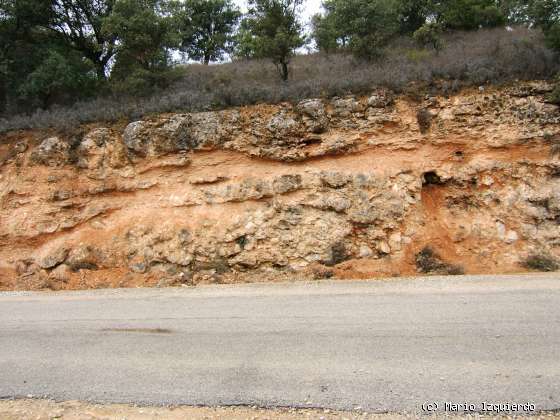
[(100, 70), (3, 95), (284, 71)]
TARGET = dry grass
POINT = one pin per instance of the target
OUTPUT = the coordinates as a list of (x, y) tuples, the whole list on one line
[(486, 56)]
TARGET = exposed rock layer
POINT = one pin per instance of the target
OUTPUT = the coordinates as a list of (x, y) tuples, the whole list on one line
[(349, 187)]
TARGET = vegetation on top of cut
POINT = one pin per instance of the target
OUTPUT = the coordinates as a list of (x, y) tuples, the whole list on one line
[(467, 59), (64, 62)]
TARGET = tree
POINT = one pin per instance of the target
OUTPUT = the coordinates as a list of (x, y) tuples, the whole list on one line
[(362, 26), (515, 11), (544, 14), (145, 33), (413, 14), (325, 34), (208, 28), (469, 14), (275, 31), (23, 45), (244, 46), (62, 76), (429, 35), (80, 23)]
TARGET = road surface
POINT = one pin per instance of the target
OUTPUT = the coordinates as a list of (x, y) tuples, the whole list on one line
[(382, 346)]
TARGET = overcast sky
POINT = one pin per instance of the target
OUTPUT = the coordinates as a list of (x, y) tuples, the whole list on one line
[(309, 8)]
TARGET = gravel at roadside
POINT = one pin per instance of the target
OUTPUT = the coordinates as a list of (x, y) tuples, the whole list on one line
[(73, 410)]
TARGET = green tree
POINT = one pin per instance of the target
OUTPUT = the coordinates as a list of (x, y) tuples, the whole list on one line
[(275, 31), (325, 34), (469, 14), (80, 23), (207, 28), (552, 36), (23, 45), (362, 26), (429, 35), (36, 33), (515, 11), (544, 14), (146, 33), (413, 14), (244, 46), (62, 77)]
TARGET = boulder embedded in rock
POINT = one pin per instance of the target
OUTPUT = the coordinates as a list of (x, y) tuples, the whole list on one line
[(91, 150), (51, 152), (147, 138), (381, 99), (287, 183), (315, 116), (61, 273), (346, 107), (283, 125), (54, 258), (99, 148), (84, 257), (211, 129), (333, 179)]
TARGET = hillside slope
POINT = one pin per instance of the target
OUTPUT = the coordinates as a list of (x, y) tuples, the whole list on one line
[(351, 187)]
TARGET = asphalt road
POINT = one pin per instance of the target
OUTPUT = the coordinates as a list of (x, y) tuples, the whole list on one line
[(382, 345)]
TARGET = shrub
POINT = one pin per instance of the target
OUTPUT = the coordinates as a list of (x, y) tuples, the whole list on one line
[(416, 55), (541, 262), (553, 37), (429, 35), (554, 96), (320, 273), (429, 262), (339, 254), (424, 118)]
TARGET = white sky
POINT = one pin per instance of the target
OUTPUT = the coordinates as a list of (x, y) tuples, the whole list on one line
[(309, 8)]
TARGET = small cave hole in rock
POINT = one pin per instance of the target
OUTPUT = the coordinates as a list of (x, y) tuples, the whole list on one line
[(431, 178), (312, 140), (459, 154), (242, 241)]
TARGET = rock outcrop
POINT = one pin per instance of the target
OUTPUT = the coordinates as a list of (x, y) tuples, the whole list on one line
[(351, 187)]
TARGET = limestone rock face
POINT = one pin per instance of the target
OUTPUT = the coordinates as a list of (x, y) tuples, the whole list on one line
[(344, 187), (52, 151), (144, 138), (314, 115), (101, 149), (85, 257), (345, 107), (380, 99), (53, 258)]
